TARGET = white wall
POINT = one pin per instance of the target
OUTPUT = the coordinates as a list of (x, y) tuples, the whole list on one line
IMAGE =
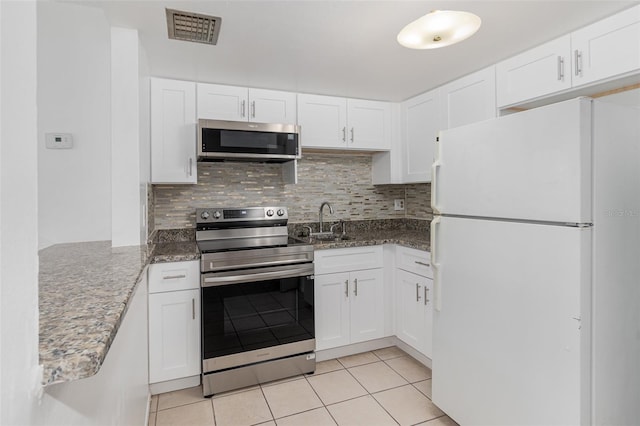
[(127, 202), (18, 214), (145, 139), (74, 97)]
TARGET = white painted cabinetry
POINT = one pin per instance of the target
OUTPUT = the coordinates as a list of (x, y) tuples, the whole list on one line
[(414, 299), (602, 51), (349, 296), (329, 122), (469, 99), (607, 48), (220, 102), (420, 125), (173, 131), (174, 321), (537, 72)]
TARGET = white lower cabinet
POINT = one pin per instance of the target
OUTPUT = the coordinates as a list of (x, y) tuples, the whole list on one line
[(414, 299), (349, 304), (414, 310), (174, 321)]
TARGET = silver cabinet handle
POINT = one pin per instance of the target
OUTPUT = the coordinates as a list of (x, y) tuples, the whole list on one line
[(190, 166), (174, 277), (426, 295), (253, 109), (578, 58), (422, 263), (346, 288), (355, 287), (417, 292), (352, 134), (560, 68), (344, 134), (243, 109), (193, 309)]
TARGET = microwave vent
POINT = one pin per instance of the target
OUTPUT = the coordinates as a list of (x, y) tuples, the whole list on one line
[(194, 27)]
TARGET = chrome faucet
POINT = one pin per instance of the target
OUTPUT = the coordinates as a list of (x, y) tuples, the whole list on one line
[(324, 203)]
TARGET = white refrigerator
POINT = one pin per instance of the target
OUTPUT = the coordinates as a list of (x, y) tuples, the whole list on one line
[(536, 255)]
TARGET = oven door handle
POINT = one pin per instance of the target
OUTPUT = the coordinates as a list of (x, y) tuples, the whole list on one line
[(214, 280)]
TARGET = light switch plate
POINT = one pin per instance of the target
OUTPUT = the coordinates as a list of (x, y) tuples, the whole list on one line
[(59, 140), (398, 204)]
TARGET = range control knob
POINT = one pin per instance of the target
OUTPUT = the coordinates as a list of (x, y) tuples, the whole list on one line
[(205, 215), (269, 212), (280, 212), (217, 215)]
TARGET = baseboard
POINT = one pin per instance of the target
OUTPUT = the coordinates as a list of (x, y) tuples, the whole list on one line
[(148, 411), (371, 345), (173, 385)]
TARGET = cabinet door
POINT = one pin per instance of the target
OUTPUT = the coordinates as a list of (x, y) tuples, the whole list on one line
[(607, 48), (323, 121), (427, 323), (271, 106), (537, 72), (410, 308), (421, 123), (369, 125), (366, 300), (174, 335), (469, 99), (173, 131), (332, 310), (218, 102)]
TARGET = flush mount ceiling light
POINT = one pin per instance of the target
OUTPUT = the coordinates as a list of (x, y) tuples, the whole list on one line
[(439, 28)]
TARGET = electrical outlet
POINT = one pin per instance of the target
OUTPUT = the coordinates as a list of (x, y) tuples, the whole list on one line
[(398, 204)]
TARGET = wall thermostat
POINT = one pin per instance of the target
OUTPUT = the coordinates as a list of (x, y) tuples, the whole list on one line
[(59, 140)]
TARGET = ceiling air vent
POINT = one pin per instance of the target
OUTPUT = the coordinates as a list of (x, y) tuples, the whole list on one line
[(195, 27)]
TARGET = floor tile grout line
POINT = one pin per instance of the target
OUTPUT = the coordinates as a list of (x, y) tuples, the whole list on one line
[(273, 418), (321, 401)]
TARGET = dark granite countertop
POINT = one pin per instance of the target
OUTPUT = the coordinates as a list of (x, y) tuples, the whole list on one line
[(84, 292), (85, 289)]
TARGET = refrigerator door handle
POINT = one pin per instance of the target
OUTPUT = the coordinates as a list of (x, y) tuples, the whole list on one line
[(435, 265), (434, 186)]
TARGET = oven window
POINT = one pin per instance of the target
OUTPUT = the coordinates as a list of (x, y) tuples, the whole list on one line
[(244, 317)]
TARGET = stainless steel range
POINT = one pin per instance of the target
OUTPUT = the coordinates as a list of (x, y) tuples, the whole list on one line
[(257, 298)]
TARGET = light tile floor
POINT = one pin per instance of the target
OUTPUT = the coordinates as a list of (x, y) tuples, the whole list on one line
[(383, 387)]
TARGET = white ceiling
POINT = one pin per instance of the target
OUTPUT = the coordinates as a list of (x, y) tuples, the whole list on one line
[(344, 48)]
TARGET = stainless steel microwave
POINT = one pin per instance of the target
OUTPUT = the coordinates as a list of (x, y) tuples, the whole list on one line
[(220, 140)]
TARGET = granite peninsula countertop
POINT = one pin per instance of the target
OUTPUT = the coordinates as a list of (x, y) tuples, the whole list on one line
[(85, 289), (84, 292)]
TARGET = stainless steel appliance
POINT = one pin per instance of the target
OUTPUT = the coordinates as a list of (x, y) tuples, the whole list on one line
[(257, 298), (220, 140)]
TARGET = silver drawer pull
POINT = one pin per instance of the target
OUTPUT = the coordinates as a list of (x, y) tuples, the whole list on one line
[(417, 292), (346, 288), (193, 309), (174, 277), (422, 263), (355, 287), (426, 295)]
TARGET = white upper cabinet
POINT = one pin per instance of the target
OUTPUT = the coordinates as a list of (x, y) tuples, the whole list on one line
[(173, 131), (469, 99), (607, 48), (598, 53), (537, 72), (219, 102), (420, 125), (369, 124), (338, 123), (323, 121)]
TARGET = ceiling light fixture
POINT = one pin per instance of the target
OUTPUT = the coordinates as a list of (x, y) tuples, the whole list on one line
[(439, 28)]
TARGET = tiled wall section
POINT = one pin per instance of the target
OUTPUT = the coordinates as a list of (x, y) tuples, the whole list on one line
[(343, 180)]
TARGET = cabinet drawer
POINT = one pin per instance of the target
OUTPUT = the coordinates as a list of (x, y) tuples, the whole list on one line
[(174, 276), (348, 259), (415, 261)]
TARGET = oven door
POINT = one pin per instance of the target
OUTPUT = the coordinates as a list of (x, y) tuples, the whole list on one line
[(256, 314)]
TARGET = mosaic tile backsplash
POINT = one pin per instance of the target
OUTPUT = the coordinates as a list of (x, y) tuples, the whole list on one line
[(343, 180)]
